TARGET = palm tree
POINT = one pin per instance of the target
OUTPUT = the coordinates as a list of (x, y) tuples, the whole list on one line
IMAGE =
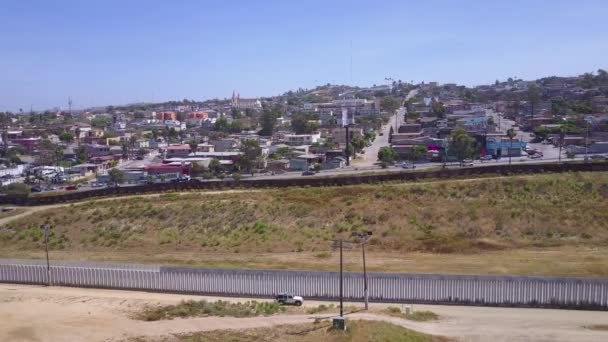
[(511, 135)]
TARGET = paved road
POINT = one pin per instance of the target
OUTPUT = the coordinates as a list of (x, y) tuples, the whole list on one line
[(370, 157)]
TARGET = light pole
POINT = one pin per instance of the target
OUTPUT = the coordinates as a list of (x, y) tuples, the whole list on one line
[(46, 228), (363, 237)]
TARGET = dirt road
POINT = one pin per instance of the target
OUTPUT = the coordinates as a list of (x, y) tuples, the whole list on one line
[(30, 313)]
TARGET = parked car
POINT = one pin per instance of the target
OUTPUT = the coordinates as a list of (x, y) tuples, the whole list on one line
[(467, 162), (596, 157), (536, 156), (71, 187), (289, 299), (486, 157), (36, 189), (408, 166), (139, 158), (308, 173)]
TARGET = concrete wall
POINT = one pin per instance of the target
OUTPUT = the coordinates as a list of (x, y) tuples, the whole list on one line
[(579, 293)]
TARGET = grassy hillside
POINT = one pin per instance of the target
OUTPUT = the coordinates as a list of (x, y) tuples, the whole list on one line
[(458, 217)]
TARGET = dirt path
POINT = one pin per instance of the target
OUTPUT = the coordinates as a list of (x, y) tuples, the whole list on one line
[(30, 313)]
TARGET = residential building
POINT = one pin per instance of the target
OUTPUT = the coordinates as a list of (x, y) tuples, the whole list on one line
[(302, 139), (338, 134), (96, 150), (177, 151), (28, 144), (164, 116)]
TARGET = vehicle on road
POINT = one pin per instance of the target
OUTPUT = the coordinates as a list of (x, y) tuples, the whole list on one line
[(35, 189), (536, 155), (289, 299), (71, 187), (486, 157), (467, 162), (308, 173), (596, 157), (139, 158), (381, 133)]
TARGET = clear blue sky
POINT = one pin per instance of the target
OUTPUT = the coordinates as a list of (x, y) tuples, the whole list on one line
[(103, 52)]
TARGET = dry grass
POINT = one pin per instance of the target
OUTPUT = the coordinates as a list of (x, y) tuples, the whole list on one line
[(357, 331), (418, 316), (531, 219), (12, 212), (599, 327), (203, 308)]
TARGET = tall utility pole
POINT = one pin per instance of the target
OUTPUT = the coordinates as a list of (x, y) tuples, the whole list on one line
[(365, 291), (341, 284), (46, 228)]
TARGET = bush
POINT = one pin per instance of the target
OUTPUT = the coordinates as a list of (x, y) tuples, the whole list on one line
[(18, 189), (203, 308), (393, 309), (318, 309)]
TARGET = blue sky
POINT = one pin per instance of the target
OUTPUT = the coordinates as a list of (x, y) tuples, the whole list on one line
[(114, 52)]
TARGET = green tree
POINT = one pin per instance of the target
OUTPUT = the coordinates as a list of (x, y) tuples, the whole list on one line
[(251, 155), (116, 176), (369, 137), (461, 144), (302, 123), (533, 96), (390, 105), (215, 166), (438, 109), (417, 152), (541, 133), (269, 122), (101, 121), (358, 144), (511, 134), (221, 125), (66, 137), (387, 155), (15, 189), (193, 145)]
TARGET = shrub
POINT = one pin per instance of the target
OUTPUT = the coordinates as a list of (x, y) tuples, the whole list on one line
[(17, 189), (220, 308)]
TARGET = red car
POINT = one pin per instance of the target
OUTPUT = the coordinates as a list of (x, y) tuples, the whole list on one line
[(71, 187)]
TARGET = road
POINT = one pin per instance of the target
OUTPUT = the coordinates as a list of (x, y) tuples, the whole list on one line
[(34, 313), (370, 156)]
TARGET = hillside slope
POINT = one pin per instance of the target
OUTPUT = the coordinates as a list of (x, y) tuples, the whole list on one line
[(463, 217)]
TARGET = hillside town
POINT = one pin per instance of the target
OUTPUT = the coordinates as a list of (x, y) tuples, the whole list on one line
[(331, 129)]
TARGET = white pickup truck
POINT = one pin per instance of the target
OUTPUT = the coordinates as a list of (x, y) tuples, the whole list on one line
[(288, 299)]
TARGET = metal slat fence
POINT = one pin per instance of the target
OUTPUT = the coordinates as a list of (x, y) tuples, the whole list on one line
[(584, 293)]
